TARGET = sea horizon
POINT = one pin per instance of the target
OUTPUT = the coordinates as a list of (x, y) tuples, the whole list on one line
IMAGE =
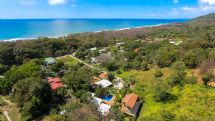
[(28, 29)]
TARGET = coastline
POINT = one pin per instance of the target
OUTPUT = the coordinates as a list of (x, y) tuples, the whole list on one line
[(54, 37)]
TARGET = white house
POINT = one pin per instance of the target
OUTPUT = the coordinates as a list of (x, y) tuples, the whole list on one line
[(104, 83), (103, 50), (119, 44), (118, 83), (94, 48), (93, 60), (104, 109)]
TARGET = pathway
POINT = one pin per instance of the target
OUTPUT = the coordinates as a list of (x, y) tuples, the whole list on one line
[(5, 112), (83, 62)]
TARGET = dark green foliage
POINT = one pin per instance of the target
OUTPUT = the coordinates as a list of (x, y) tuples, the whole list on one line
[(58, 66), (110, 76), (16, 52), (119, 72), (176, 78), (144, 66), (77, 79), (166, 56), (194, 57), (3, 69), (6, 54), (34, 99), (161, 91), (191, 80), (99, 91), (128, 66), (178, 74), (167, 115), (207, 77), (158, 73), (30, 69), (112, 66), (115, 113)]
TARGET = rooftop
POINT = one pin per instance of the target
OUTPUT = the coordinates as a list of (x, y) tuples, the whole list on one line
[(130, 99), (50, 60), (55, 86), (54, 80), (55, 83), (104, 83), (104, 109), (103, 75)]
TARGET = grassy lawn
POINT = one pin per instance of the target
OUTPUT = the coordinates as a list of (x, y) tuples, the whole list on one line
[(68, 60), (2, 117), (6, 105), (14, 113), (194, 103), (143, 76)]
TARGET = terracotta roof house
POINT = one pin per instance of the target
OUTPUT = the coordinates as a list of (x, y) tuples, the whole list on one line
[(103, 75), (54, 80), (94, 79), (50, 61), (55, 83), (130, 104), (55, 86)]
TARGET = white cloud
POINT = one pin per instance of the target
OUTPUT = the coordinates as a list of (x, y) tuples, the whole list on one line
[(188, 9), (27, 2), (175, 1), (56, 2), (209, 2), (204, 6)]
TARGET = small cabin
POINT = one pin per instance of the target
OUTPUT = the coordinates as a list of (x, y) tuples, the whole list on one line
[(50, 61)]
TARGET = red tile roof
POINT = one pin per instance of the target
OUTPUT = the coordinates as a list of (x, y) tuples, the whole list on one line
[(54, 80), (130, 99), (94, 79), (55, 83), (103, 75), (55, 86)]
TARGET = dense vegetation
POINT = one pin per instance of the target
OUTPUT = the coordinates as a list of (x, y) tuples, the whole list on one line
[(179, 95)]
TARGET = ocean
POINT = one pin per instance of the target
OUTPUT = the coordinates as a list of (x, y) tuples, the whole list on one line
[(12, 29)]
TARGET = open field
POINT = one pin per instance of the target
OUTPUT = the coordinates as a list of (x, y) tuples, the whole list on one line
[(68, 60), (10, 108), (143, 76)]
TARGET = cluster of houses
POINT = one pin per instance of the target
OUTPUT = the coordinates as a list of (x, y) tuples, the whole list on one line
[(130, 103), (104, 103), (55, 82), (104, 50)]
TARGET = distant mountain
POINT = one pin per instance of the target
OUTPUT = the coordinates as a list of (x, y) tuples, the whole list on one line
[(203, 20)]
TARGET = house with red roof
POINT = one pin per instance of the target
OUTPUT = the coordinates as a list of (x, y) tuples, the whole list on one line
[(130, 104), (55, 83)]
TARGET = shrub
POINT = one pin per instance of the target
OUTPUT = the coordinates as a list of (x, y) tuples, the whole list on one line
[(110, 76), (158, 73)]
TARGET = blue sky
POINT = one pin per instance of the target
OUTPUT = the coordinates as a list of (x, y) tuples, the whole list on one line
[(105, 8)]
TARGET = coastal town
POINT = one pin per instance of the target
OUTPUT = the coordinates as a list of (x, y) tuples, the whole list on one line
[(160, 73), (130, 102)]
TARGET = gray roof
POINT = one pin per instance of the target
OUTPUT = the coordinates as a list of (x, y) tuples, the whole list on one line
[(136, 108)]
